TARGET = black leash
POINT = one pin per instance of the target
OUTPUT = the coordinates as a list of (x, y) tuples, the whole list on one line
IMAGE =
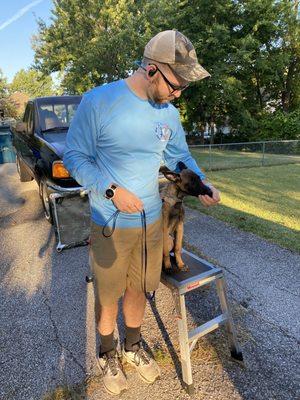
[(144, 245), (144, 249), (114, 216)]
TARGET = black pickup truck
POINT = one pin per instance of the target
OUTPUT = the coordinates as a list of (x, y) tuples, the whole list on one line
[(39, 143)]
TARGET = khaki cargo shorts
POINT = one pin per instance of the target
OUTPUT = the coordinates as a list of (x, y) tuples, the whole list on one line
[(116, 261)]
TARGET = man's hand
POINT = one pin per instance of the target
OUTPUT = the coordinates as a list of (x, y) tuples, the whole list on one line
[(210, 201), (126, 201)]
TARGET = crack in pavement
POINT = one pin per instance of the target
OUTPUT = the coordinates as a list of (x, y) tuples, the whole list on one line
[(282, 330), (255, 313), (57, 334), (286, 291)]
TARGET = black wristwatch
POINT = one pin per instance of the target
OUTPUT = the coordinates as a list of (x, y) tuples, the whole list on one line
[(110, 192)]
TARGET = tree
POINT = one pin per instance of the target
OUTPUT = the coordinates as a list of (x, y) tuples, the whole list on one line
[(3, 85), (32, 83), (250, 47), (7, 108), (269, 53), (94, 41), (210, 26)]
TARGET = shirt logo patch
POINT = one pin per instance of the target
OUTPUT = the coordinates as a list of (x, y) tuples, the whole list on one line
[(163, 132)]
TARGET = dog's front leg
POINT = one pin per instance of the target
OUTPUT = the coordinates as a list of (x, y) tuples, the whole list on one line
[(166, 238), (178, 245)]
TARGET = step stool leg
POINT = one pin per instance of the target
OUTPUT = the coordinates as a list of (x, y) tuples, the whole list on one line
[(183, 341), (89, 278), (232, 337)]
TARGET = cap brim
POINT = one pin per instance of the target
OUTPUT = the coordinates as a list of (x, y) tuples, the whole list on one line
[(190, 73)]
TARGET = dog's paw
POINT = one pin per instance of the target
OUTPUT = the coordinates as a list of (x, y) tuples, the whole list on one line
[(183, 267), (167, 266), (167, 262)]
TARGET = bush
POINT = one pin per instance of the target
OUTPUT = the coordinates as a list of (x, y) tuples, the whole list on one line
[(279, 126)]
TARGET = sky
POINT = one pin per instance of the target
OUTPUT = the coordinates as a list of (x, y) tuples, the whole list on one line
[(17, 25)]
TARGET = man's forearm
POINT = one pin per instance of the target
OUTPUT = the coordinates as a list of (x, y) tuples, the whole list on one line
[(86, 172), (191, 164)]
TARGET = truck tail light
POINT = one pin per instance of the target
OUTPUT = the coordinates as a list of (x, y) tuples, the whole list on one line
[(59, 171)]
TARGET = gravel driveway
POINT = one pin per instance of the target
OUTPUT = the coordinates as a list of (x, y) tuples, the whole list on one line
[(48, 339)]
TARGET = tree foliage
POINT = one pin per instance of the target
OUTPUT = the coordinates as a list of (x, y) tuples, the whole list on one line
[(96, 41), (3, 85), (33, 83), (279, 125), (250, 47), (7, 108)]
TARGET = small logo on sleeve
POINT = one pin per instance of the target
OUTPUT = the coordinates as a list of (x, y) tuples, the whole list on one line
[(163, 132)]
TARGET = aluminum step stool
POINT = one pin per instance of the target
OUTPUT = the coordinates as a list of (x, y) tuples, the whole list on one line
[(200, 273)]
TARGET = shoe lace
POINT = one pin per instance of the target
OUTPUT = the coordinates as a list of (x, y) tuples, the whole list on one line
[(140, 356), (112, 364)]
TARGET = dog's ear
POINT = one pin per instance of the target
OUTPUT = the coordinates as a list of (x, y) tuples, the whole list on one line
[(164, 170), (173, 177), (170, 175), (181, 165)]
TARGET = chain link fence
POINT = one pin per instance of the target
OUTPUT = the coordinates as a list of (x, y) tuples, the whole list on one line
[(248, 154)]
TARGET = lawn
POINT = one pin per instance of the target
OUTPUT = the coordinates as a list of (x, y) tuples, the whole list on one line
[(262, 200), (227, 158)]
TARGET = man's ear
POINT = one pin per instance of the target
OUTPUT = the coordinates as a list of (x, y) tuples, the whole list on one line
[(170, 175)]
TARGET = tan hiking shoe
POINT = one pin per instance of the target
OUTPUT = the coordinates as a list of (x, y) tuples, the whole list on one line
[(145, 365), (114, 379)]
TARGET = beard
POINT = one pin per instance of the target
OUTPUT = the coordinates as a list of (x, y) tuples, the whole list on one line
[(155, 96), (161, 100)]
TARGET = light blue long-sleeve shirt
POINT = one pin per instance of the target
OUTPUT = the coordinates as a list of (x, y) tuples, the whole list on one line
[(117, 137)]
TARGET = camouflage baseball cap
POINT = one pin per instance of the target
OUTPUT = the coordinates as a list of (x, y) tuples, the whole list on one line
[(173, 48)]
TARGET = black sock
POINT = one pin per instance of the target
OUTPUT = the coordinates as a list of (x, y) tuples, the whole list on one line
[(132, 336), (107, 343)]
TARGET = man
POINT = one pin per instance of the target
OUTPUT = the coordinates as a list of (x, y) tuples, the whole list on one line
[(115, 145)]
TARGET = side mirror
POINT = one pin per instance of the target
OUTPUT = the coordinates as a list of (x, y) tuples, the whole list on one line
[(21, 127)]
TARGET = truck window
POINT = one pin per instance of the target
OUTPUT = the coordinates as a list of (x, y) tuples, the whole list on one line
[(57, 115), (71, 111)]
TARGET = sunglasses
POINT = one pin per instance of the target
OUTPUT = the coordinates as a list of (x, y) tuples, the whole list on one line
[(175, 88)]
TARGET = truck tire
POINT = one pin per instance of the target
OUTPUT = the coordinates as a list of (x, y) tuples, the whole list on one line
[(46, 203), (22, 171)]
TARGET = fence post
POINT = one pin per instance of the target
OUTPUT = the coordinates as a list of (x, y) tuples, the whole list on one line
[(209, 166), (263, 156)]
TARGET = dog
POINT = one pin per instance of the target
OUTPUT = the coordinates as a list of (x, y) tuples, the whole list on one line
[(184, 183)]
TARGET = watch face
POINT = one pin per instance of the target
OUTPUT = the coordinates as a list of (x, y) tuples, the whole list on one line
[(109, 193)]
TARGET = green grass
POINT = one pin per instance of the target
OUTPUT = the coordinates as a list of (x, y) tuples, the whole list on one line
[(224, 159), (86, 389), (264, 201)]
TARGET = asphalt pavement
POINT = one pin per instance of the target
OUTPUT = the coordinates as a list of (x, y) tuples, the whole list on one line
[(47, 333)]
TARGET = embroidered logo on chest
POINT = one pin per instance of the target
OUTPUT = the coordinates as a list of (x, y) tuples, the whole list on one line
[(163, 132)]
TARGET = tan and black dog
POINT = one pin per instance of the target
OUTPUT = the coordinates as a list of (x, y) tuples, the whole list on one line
[(184, 183)]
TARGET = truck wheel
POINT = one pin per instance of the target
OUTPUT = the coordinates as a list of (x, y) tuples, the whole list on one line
[(46, 203), (22, 171)]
